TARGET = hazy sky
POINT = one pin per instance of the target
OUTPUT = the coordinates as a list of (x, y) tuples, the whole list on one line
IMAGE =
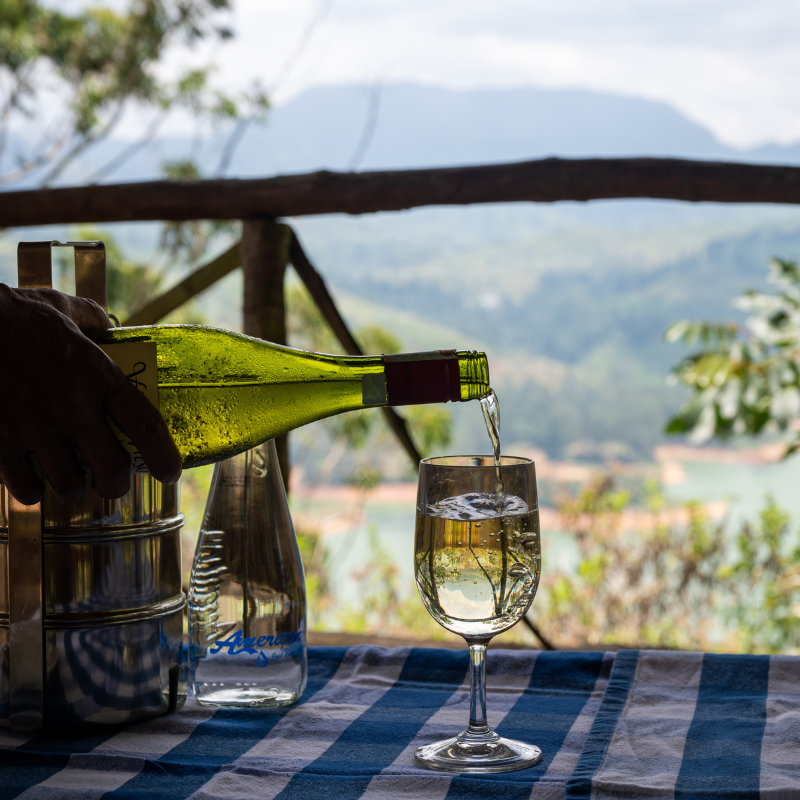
[(732, 65)]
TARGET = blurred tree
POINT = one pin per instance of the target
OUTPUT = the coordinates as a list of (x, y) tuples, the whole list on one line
[(130, 285), (73, 75), (764, 582), (745, 379), (657, 586), (688, 583)]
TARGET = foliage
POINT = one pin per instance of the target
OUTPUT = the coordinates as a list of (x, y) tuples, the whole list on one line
[(432, 427), (654, 586), (130, 284), (687, 583), (690, 583), (74, 75), (379, 591), (92, 65), (189, 240), (764, 582), (745, 380)]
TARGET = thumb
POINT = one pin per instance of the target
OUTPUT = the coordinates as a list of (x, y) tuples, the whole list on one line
[(86, 314)]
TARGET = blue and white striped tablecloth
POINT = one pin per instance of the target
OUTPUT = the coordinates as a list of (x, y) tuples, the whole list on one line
[(641, 724), (694, 725)]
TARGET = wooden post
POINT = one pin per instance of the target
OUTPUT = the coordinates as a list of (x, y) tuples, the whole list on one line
[(265, 254)]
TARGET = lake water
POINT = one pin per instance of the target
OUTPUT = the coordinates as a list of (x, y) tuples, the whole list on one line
[(743, 486), (390, 525)]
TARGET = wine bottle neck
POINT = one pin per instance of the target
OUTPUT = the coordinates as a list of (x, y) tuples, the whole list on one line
[(441, 376), (473, 371)]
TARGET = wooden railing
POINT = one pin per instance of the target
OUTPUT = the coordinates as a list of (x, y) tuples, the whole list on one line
[(267, 246), (544, 181)]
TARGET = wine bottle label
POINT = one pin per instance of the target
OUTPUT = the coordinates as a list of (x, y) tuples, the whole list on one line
[(373, 389), (413, 378), (139, 363)]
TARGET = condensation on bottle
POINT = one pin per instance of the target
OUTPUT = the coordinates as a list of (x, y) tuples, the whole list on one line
[(247, 604)]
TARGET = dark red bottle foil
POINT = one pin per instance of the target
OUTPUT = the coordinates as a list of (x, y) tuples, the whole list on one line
[(414, 378)]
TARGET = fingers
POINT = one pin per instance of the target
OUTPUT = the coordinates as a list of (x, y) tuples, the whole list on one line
[(139, 419), (64, 473), (107, 458), (18, 475), (86, 314)]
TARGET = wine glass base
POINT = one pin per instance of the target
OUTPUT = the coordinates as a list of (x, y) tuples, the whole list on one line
[(482, 753)]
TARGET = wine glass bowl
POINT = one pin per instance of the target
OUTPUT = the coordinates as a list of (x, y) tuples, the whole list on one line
[(477, 562)]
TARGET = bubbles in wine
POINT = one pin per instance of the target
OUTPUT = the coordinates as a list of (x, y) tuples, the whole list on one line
[(478, 506), (518, 570)]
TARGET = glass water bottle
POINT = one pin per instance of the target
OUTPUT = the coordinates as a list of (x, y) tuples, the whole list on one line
[(247, 602)]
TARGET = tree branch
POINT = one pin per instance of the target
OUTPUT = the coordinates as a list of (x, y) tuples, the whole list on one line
[(544, 181), (12, 102), (300, 46), (534, 629), (33, 163), (84, 142), (370, 124), (232, 142), (128, 152)]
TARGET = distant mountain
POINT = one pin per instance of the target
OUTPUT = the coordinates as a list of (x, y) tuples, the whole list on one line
[(406, 125), (416, 126), (774, 154)]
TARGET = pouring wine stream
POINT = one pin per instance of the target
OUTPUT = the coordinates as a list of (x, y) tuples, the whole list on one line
[(490, 406)]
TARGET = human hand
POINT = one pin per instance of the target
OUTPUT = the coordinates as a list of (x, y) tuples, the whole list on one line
[(57, 389)]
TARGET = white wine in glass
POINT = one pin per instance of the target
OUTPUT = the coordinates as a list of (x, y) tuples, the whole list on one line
[(477, 560)]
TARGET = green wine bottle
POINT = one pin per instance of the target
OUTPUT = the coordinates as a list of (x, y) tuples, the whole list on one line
[(222, 393)]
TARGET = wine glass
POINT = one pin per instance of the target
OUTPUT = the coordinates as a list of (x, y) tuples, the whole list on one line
[(477, 560)]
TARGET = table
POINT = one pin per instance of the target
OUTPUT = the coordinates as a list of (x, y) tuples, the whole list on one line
[(631, 724)]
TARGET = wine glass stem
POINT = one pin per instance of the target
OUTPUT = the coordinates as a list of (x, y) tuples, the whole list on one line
[(477, 689)]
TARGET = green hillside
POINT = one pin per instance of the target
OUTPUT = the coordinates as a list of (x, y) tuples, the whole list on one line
[(572, 318)]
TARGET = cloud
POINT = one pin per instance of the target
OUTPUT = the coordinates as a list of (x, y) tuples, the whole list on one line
[(730, 65)]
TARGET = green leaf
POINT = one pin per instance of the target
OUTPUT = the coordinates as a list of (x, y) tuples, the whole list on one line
[(744, 380)]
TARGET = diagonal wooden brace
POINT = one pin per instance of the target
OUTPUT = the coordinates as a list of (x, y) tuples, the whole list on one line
[(322, 297)]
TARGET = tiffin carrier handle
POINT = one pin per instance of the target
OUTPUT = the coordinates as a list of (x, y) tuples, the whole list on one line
[(25, 523)]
